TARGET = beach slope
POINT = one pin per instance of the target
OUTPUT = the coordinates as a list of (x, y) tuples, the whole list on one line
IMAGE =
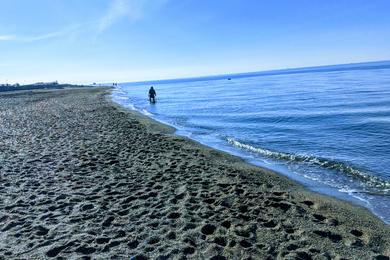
[(80, 176)]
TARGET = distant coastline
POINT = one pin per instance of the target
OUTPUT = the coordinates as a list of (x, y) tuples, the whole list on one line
[(42, 85)]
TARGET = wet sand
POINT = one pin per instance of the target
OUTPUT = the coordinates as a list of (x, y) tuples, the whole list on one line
[(81, 177)]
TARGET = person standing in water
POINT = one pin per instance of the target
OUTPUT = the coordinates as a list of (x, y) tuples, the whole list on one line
[(152, 94)]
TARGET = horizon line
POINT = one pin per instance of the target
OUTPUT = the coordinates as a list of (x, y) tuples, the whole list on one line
[(288, 70)]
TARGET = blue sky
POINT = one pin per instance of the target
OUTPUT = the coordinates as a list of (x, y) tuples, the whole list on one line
[(84, 41)]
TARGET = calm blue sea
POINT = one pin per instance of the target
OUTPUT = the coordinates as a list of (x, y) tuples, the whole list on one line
[(326, 127)]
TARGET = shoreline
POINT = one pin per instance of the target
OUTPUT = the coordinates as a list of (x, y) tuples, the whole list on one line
[(166, 195), (171, 130), (221, 145), (161, 127)]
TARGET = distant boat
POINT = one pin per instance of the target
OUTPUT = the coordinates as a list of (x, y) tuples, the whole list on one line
[(229, 78)]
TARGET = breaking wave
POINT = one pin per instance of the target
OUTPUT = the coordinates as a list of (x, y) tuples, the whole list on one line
[(374, 184)]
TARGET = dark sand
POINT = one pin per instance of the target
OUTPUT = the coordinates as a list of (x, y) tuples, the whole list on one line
[(80, 176)]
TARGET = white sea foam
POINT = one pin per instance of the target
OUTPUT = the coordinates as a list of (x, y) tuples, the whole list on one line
[(131, 106), (122, 98), (366, 180), (146, 113)]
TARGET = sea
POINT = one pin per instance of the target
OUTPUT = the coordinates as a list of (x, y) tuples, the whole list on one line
[(326, 127)]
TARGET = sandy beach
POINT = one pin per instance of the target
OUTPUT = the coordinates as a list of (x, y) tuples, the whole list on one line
[(82, 177)]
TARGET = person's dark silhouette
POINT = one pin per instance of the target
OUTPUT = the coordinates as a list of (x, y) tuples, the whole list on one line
[(152, 95)]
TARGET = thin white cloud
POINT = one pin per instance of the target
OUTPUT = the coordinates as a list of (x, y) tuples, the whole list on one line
[(30, 38), (68, 31), (6, 37), (130, 9), (33, 38), (118, 9)]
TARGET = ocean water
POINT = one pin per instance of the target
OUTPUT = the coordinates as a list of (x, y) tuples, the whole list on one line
[(326, 127)]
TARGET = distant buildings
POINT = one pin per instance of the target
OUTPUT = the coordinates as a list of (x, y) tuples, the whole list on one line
[(38, 85), (54, 83), (9, 85)]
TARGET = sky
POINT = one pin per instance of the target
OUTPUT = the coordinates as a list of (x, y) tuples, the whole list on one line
[(85, 41)]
